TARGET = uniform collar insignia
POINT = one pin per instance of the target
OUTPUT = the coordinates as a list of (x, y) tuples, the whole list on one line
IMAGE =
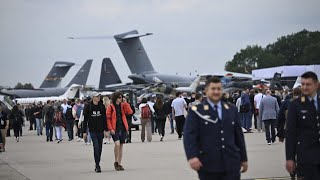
[(194, 108), (303, 99), (206, 107), (226, 106)]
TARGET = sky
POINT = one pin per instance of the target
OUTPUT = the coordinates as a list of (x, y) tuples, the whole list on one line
[(189, 35)]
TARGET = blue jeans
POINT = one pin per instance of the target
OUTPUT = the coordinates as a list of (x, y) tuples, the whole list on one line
[(97, 140), (70, 125), (171, 122), (246, 120), (49, 131), (38, 124)]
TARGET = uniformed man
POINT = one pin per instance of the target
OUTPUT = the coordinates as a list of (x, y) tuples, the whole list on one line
[(303, 130), (213, 138)]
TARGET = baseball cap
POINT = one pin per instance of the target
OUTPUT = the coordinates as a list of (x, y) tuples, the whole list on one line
[(94, 94)]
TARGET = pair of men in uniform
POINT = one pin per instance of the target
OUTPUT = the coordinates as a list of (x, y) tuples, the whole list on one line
[(213, 138), (303, 130)]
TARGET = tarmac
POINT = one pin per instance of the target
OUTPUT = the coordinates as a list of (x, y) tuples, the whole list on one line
[(34, 159)]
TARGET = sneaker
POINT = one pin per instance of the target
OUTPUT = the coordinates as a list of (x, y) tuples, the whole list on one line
[(121, 168), (78, 140), (59, 141), (269, 143), (108, 142), (98, 169), (17, 139), (116, 166), (105, 142), (161, 138)]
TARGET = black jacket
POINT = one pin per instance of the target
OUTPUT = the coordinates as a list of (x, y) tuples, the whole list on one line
[(95, 117)]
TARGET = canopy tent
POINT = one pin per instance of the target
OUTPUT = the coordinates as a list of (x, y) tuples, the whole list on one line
[(286, 71)]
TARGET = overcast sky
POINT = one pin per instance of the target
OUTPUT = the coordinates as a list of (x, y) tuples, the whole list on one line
[(189, 35)]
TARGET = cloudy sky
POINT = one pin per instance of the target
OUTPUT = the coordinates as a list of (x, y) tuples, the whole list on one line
[(189, 35)]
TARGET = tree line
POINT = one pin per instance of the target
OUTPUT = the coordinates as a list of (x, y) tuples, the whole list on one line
[(301, 48)]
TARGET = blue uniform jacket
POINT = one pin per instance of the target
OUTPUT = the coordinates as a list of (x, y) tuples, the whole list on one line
[(303, 131), (220, 146)]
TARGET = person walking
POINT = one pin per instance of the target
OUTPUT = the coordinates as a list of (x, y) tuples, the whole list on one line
[(76, 112), (129, 119), (178, 108), (160, 117), (257, 100), (245, 111), (150, 102), (302, 130), (58, 121), (38, 115), (4, 126), (69, 119), (16, 117), (118, 126), (107, 135), (95, 120), (168, 110), (268, 111), (145, 116), (213, 139), (49, 114)]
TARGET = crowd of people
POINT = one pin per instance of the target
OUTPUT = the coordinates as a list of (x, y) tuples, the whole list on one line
[(98, 119)]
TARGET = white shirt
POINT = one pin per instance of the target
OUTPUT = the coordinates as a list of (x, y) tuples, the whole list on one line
[(179, 105), (64, 106), (257, 99), (151, 104)]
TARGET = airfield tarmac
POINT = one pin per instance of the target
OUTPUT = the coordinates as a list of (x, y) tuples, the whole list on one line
[(34, 159)]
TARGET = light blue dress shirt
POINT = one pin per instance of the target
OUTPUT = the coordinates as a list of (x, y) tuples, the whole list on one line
[(219, 108)]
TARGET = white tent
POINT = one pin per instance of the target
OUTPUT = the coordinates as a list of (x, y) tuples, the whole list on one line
[(286, 71)]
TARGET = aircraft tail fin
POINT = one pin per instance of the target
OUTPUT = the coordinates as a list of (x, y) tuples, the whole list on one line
[(82, 75), (57, 72), (297, 83), (276, 82), (134, 53), (71, 91), (193, 86), (108, 74)]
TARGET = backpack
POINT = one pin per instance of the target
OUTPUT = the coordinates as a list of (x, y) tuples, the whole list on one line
[(69, 115), (145, 112), (57, 117), (244, 107), (16, 117), (78, 113)]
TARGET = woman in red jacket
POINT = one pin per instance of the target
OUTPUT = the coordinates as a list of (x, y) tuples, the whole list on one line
[(118, 125)]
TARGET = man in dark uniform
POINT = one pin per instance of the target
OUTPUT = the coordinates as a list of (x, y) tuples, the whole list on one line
[(213, 138), (303, 130)]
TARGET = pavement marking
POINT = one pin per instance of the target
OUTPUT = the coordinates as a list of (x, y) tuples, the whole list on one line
[(8, 172)]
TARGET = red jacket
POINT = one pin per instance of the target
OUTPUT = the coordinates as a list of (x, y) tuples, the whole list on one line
[(112, 117)]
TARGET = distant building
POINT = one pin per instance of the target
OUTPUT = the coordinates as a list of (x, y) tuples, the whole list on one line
[(289, 74)]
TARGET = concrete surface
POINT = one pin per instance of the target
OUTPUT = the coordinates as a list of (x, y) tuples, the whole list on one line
[(35, 159)]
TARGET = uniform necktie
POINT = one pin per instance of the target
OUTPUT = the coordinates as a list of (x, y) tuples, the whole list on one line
[(216, 111), (312, 102)]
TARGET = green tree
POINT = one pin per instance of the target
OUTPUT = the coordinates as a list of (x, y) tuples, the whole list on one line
[(302, 48), (19, 86)]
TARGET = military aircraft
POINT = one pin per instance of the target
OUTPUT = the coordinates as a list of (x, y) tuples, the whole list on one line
[(139, 63), (68, 94), (80, 78), (167, 89), (56, 74)]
